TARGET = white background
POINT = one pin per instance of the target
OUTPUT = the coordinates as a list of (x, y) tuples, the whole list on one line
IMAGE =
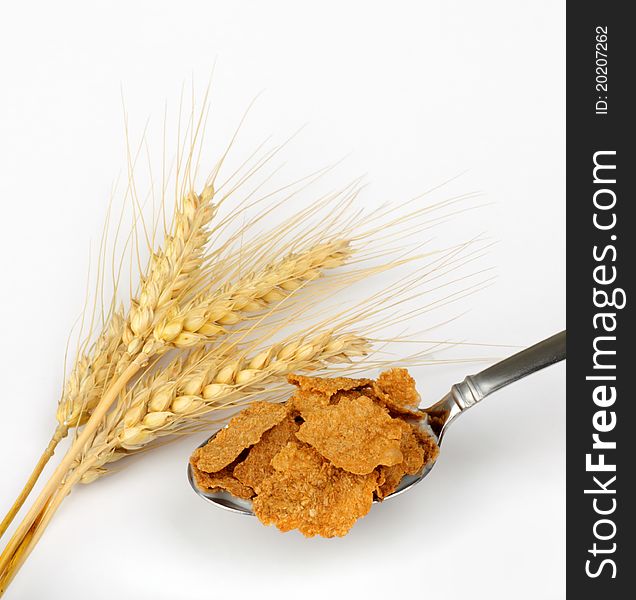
[(414, 93)]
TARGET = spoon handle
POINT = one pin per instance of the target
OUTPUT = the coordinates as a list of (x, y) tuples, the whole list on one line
[(476, 387)]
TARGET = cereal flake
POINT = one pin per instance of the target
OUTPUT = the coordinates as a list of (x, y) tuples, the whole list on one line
[(243, 431), (308, 493), (257, 466), (355, 435)]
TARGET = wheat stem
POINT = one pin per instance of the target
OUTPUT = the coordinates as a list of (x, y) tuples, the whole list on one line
[(60, 433), (26, 545), (69, 458)]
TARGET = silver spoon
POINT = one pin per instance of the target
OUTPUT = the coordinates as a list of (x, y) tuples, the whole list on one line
[(439, 416)]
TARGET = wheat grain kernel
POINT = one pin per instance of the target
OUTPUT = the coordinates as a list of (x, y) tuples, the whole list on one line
[(213, 390), (154, 420)]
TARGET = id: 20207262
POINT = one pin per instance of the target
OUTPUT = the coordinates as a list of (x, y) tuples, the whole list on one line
[(601, 80)]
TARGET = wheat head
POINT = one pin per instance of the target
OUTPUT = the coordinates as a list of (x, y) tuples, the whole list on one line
[(207, 315), (170, 272)]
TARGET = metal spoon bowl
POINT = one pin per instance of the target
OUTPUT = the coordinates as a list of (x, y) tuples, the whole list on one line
[(241, 506), (461, 397)]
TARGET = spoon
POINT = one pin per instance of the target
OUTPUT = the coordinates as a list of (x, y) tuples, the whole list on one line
[(440, 415)]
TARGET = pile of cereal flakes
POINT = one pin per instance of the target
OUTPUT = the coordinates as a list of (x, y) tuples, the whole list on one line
[(316, 462)]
